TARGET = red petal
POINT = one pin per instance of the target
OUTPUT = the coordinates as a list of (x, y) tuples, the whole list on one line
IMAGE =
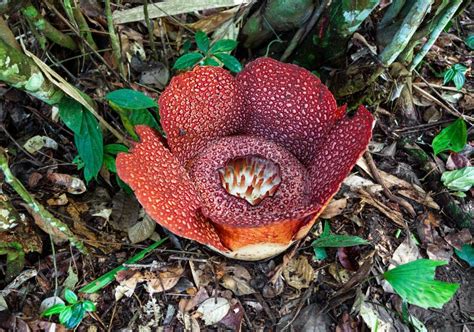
[(339, 152), (288, 105), (164, 189), (197, 107)]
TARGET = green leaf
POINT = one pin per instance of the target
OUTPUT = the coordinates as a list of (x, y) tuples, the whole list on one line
[(320, 253), (187, 60), (470, 42), (89, 306), (69, 296), (78, 162), (223, 45), (415, 283), (230, 62), (211, 62), (77, 314), (456, 74), (466, 253), (338, 241), (459, 79), (460, 179), (448, 76), (109, 163), (453, 137), (114, 149), (202, 41), (143, 117), (65, 315), (71, 112), (90, 146), (53, 310), (130, 99)]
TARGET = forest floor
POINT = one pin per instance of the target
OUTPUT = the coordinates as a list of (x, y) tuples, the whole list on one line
[(294, 291)]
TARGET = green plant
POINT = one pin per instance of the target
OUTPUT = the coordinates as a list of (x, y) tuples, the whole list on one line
[(133, 108), (466, 253), (414, 282), (70, 315), (470, 42), (207, 54), (87, 135), (457, 74), (453, 137), (330, 240), (459, 180)]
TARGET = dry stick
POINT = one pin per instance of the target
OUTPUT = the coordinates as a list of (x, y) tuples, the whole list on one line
[(446, 105), (304, 30), (150, 30), (51, 221), (89, 46), (114, 41), (373, 169)]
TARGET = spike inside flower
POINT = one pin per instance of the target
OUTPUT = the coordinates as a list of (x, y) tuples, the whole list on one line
[(252, 178)]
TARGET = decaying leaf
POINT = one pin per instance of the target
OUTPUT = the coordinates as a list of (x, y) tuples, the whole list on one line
[(213, 310), (142, 230), (395, 216), (125, 211), (36, 143), (164, 280), (72, 184), (212, 22), (378, 318), (156, 282), (334, 208), (299, 273), (339, 273), (236, 279)]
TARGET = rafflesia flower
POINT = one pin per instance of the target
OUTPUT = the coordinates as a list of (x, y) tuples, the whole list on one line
[(250, 161)]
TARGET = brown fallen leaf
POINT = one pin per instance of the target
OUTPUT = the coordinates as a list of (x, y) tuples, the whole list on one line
[(237, 279), (212, 22), (72, 184), (458, 239), (334, 208), (298, 273), (395, 216), (163, 281)]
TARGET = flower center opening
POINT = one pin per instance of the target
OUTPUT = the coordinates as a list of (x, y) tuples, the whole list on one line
[(250, 177)]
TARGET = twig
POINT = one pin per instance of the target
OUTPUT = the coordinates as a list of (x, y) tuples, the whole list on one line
[(150, 30), (51, 221), (444, 105), (441, 87), (304, 30), (114, 41), (90, 47), (373, 169)]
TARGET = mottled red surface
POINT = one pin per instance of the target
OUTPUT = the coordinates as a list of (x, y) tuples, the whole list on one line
[(276, 111)]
